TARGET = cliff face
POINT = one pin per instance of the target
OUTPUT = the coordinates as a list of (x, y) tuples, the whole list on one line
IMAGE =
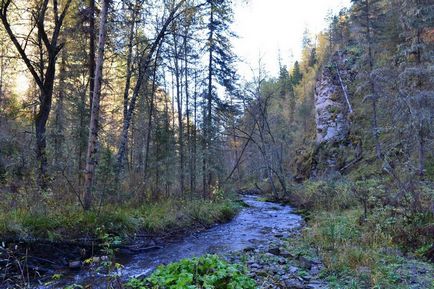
[(332, 110)]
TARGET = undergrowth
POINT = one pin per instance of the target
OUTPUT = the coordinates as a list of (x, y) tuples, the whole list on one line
[(73, 222), (208, 271), (363, 255), (367, 233)]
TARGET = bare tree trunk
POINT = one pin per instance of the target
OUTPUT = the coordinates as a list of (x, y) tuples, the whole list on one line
[(2, 71), (179, 108), (91, 56), (81, 137), (187, 111), (92, 147), (150, 117), (59, 124), (194, 152), (208, 121), (166, 131), (128, 78)]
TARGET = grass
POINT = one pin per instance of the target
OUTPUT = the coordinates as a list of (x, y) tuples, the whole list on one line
[(382, 247), (72, 222), (357, 256)]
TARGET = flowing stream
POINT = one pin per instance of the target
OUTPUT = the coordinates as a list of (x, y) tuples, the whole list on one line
[(256, 224)]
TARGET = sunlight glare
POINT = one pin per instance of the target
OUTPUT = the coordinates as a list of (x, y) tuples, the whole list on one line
[(22, 84)]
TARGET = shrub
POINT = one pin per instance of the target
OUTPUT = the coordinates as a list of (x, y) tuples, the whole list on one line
[(324, 195)]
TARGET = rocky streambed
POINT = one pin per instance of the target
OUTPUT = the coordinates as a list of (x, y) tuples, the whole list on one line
[(256, 237), (273, 265)]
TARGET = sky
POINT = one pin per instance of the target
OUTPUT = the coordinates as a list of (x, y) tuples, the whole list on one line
[(266, 27)]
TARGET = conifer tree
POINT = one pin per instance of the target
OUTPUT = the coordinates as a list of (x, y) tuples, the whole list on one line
[(367, 14), (416, 83), (296, 75), (220, 71)]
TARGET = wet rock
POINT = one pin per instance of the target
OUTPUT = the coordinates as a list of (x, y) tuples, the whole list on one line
[(316, 285), (294, 283), (248, 249), (315, 270), (280, 252), (286, 254), (261, 273), (274, 251), (305, 263), (75, 264), (292, 269), (255, 266), (266, 230), (281, 261)]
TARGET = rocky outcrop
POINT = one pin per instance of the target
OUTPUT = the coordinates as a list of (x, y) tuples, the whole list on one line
[(332, 111)]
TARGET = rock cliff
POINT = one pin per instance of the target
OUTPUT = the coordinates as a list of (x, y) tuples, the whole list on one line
[(332, 114)]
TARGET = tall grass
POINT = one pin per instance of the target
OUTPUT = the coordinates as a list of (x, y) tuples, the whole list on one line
[(72, 222)]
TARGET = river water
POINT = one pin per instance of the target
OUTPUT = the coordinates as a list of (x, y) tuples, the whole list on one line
[(254, 225)]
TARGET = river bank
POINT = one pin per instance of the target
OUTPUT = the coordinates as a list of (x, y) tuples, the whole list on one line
[(273, 244), (33, 248), (328, 252)]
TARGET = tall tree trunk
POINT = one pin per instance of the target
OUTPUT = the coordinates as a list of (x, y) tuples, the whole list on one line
[(150, 117), (92, 146), (91, 56), (59, 124), (128, 80), (179, 108), (2, 71), (194, 152), (208, 123), (82, 138), (187, 111)]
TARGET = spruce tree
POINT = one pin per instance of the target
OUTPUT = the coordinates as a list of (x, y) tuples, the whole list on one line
[(367, 14), (221, 71), (415, 79), (296, 75)]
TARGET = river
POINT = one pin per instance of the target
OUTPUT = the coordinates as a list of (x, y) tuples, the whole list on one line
[(256, 224)]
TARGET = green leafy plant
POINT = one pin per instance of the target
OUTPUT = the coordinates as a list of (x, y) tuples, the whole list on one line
[(208, 271)]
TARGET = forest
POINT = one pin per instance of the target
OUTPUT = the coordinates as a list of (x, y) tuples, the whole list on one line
[(129, 138)]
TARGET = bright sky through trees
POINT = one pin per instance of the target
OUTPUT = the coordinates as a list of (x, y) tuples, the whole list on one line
[(266, 26)]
